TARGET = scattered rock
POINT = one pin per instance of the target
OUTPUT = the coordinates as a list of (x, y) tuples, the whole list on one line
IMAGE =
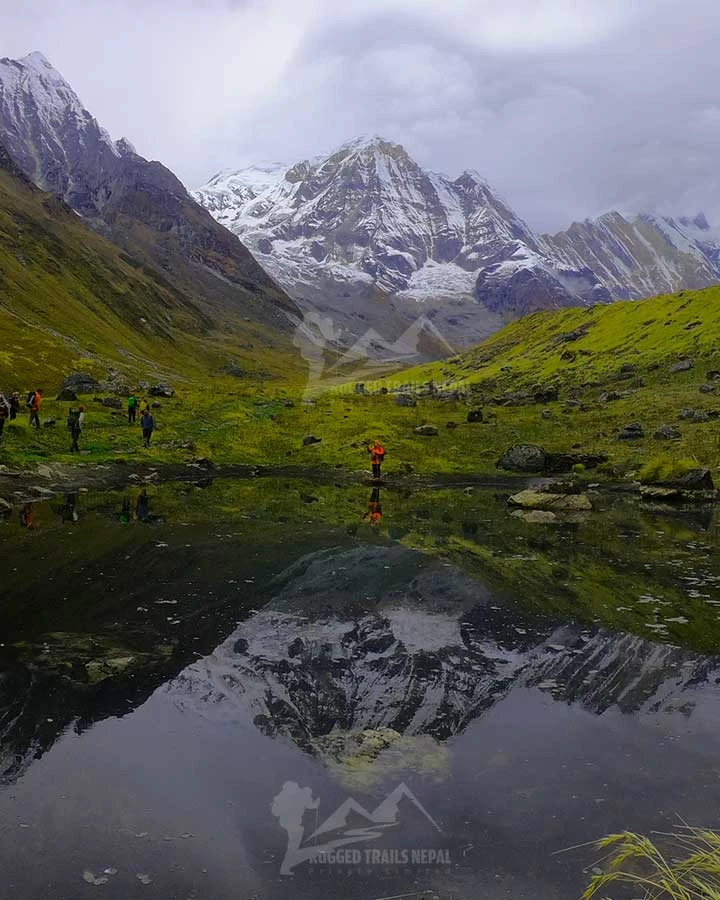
[(687, 413), (544, 394), (610, 396), (311, 439), (406, 400), (523, 458), (713, 375), (682, 365), (708, 388), (572, 404), (700, 416), (475, 415), (81, 383), (5, 507), (359, 388), (49, 423), (308, 498), (695, 480), (547, 414), (162, 390), (426, 430), (67, 396), (667, 433), (92, 878), (530, 499), (156, 405), (632, 432), (451, 424), (112, 402), (568, 356)]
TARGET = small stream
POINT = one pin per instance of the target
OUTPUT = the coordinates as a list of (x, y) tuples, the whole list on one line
[(236, 689)]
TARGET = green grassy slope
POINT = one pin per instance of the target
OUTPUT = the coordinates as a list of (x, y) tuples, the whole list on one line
[(627, 347)]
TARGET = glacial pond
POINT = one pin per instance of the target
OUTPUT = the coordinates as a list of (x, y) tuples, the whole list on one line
[(275, 689)]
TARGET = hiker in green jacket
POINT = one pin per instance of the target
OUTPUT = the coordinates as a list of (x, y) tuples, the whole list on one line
[(132, 408)]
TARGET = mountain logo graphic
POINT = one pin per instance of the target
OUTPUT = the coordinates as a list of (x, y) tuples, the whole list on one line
[(321, 344), (291, 804)]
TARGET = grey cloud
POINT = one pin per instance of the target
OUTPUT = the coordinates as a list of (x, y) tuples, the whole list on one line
[(568, 108)]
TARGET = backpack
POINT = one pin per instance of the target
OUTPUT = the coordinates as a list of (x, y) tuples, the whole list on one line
[(380, 453), (132, 402), (72, 419), (30, 399)]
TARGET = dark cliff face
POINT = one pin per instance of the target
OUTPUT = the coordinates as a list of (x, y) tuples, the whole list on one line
[(138, 204)]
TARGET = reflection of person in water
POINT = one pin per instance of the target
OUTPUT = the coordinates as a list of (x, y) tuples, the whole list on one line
[(125, 512), (68, 512), (142, 508), (374, 513), (26, 517)]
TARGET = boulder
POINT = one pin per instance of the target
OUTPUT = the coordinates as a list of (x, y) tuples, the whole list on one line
[(523, 458), (5, 507), (359, 388), (162, 390), (682, 365), (155, 405), (49, 423), (546, 414), (311, 439), (568, 356), (610, 396), (451, 425), (426, 430), (700, 416), (695, 480), (531, 458), (667, 433), (475, 415), (112, 402), (544, 394), (406, 400), (632, 432), (687, 413), (67, 395), (81, 383), (708, 388), (713, 375), (544, 500)]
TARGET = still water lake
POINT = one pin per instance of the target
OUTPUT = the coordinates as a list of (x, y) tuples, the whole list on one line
[(204, 685)]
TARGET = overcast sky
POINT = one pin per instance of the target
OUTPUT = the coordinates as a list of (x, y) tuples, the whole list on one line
[(568, 107)]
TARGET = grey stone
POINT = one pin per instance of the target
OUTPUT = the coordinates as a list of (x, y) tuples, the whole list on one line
[(67, 395), (81, 383), (112, 402), (311, 439), (708, 388), (667, 433), (682, 365), (547, 414), (426, 430), (632, 432), (523, 458), (475, 415), (406, 400)]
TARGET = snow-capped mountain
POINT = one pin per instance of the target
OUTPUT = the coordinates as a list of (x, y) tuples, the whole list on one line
[(643, 256), (374, 239), (140, 205)]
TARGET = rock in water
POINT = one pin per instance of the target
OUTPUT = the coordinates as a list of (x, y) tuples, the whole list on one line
[(540, 500)]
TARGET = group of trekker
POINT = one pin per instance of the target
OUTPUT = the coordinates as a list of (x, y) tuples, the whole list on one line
[(10, 407)]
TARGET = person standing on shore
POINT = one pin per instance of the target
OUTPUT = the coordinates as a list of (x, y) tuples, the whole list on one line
[(4, 413), (35, 402), (147, 423), (377, 455), (75, 424)]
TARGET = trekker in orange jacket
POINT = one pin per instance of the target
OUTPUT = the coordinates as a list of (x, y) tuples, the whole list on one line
[(35, 402), (377, 455)]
